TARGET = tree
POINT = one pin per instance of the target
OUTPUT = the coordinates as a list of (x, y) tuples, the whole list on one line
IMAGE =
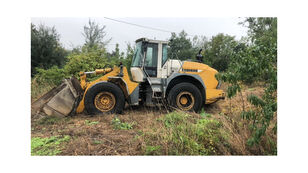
[(116, 53), (180, 47), (253, 62), (130, 50), (46, 50), (95, 35), (219, 51)]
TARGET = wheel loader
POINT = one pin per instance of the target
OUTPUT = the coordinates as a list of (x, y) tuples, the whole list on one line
[(155, 79)]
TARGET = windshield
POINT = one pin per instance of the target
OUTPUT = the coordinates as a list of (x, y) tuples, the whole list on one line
[(136, 62)]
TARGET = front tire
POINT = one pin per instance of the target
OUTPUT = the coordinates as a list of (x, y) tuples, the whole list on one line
[(186, 97), (104, 97)]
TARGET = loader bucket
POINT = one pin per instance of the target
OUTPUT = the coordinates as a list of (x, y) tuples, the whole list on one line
[(61, 100)]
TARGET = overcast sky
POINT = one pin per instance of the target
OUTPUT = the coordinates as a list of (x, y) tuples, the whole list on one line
[(70, 29)]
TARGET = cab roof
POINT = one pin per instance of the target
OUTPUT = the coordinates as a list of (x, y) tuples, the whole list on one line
[(151, 41)]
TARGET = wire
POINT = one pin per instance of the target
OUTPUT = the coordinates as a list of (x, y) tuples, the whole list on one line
[(142, 26)]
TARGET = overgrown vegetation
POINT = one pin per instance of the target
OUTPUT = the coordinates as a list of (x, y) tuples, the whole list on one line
[(185, 134), (92, 55), (46, 50), (90, 123), (257, 62), (48, 146), (242, 63), (117, 124), (49, 120)]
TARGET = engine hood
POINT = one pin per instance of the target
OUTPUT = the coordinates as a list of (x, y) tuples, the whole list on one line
[(188, 65)]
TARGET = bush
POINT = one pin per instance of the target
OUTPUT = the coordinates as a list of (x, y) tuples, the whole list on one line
[(52, 76), (88, 59)]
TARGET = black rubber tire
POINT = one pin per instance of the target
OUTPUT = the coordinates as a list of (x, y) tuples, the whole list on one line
[(104, 86), (178, 88)]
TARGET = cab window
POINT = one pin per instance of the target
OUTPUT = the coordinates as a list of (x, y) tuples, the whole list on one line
[(164, 56)]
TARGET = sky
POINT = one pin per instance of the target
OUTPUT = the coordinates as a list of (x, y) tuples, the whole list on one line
[(70, 29)]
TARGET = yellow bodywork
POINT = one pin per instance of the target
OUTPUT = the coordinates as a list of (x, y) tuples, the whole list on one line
[(207, 74), (109, 76)]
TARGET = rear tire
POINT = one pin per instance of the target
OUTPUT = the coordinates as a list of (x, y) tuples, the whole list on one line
[(104, 97), (186, 97)]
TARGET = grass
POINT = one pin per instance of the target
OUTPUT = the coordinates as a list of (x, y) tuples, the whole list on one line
[(142, 131), (204, 114), (186, 134), (48, 146), (97, 142), (38, 89), (118, 125), (90, 123), (49, 120), (153, 150)]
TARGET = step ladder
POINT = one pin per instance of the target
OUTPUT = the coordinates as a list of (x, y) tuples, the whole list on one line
[(158, 86)]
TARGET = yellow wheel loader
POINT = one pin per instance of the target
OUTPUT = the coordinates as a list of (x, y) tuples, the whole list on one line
[(155, 79)]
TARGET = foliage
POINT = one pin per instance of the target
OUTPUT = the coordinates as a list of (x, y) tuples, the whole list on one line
[(47, 146), (203, 114), (187, 135), (38, 88), (180, 47), (253, 62), (94, 35), (88, 60), (129, 56), (46, 50), (90, 123), (219, 51), (116, 54), (52, 76), (117, 124), (92, 55), (153, 150)]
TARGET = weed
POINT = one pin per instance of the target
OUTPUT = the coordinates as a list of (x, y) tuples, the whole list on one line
[(174, 118), (152, 150), (49, 120), (97, 142), (186, 135), (89, 123), (117, 124), (47, 146), (251, 89), (204, 114), (39, 88)]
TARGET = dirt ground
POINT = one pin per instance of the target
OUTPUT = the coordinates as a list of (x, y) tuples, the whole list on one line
[(100, 137)]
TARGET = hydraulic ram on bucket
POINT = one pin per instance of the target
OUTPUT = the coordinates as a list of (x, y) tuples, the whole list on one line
[(61, 100)]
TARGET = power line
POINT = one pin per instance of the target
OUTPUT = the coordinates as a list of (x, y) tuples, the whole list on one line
[(142, 26)]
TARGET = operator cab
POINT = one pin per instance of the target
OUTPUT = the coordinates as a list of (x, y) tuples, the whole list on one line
[(150, 60)]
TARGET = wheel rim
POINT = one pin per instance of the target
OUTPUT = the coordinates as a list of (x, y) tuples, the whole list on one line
[(104, 101), (185, 101)]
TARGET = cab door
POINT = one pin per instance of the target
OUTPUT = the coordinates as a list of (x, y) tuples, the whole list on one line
[(151, 58)]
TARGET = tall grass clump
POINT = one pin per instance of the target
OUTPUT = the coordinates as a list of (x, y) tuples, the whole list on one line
[(186, 134)]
